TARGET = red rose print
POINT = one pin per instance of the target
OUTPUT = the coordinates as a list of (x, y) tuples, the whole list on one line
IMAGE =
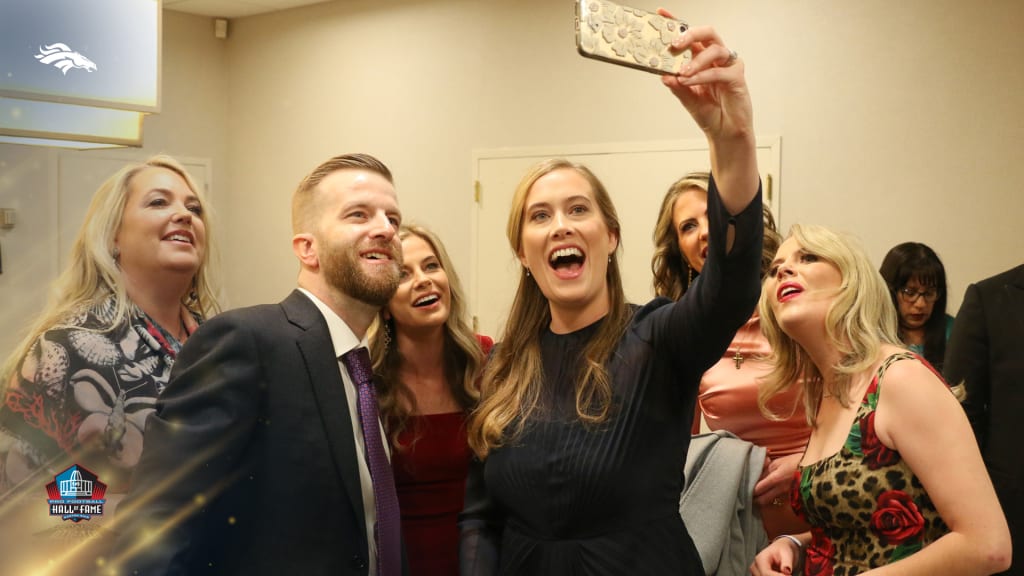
[(897, 518), (876, 454), (820, 555), (795, 499)]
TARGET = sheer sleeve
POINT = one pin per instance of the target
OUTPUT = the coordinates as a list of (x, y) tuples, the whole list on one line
[(480, 527), (695, 331)]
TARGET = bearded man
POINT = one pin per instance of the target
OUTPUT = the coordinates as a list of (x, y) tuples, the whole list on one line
[(263, 456)]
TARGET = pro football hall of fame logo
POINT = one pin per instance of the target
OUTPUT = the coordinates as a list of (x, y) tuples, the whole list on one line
[(76, 494)]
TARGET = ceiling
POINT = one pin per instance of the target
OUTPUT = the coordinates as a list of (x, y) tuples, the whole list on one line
[(233, 8)]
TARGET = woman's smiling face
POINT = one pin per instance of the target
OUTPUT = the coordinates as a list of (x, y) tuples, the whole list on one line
[(424, 297), (566, 243)]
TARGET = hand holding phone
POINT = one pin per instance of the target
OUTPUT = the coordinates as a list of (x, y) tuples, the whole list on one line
[(628, 36)]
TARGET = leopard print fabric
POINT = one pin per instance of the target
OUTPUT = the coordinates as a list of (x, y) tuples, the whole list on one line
[(865, 506)]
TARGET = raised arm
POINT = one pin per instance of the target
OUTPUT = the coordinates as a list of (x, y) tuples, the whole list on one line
[(920, 418), (694, 332), (713, 90)]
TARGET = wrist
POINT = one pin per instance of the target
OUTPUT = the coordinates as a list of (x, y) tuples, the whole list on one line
[(796, 541)]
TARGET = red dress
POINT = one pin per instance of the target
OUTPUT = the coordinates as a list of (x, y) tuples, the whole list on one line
[(430, 478)]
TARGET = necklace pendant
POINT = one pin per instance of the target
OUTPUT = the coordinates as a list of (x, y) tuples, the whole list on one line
[(738, 359)]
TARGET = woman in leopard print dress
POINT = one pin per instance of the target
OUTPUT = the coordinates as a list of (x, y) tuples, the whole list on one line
[(891, 478)]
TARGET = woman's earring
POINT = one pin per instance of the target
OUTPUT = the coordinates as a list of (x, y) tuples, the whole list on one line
[(527, 271), (193, 294), (116, 253), (689, 275), (389, 328)]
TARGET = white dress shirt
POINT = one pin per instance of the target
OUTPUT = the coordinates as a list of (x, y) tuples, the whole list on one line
[(344, 340)]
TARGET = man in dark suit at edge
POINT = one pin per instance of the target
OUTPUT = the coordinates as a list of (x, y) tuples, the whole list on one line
[(986, 353), (256, 461)]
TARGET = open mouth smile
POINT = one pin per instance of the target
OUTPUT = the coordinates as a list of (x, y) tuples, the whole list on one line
[(427, 300), (376, 255), (180, 236), (788, 291), (567, 261)]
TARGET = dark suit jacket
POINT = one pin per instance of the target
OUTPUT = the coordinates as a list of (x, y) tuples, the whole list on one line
[(252, 443), (986, 353)]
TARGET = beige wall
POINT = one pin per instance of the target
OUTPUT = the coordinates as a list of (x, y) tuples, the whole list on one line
[(899, 121), (194, 108)]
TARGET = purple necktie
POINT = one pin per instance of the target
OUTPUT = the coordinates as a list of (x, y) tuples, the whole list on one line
[(387, 531)]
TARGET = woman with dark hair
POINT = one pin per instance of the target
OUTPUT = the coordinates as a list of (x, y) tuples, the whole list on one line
[(727, 398), (427, 362), (585, 409), (917, 284)]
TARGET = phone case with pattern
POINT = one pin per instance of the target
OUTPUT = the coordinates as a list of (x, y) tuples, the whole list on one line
[(628, 36)]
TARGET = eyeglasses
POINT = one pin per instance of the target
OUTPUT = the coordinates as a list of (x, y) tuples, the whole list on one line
[(909, 295)]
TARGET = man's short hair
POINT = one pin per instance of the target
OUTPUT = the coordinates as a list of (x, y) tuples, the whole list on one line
[(304, 201)]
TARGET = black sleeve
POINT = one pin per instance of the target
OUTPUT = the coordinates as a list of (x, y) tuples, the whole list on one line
[(967, 356), (480, 525), (698, 328), (193, 449)]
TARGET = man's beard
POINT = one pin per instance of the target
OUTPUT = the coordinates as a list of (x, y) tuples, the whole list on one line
[(343, 271)]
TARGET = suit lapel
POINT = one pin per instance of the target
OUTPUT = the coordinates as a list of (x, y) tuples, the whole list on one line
[(329, 392)]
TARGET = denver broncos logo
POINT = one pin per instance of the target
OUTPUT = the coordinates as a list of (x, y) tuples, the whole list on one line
[(63, 57)]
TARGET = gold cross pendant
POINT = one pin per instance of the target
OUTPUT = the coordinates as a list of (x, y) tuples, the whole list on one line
[(738, 359)]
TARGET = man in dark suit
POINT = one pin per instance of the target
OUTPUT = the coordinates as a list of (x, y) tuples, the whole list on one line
[(255, 460), (986, 353)]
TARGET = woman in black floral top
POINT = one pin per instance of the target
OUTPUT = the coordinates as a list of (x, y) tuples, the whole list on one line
[(79, 387), (891, 478)]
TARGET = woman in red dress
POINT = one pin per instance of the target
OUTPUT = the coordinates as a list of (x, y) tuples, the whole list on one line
[(427, 361)]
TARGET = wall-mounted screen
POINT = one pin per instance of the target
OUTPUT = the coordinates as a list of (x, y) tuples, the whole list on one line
[(90, 52)]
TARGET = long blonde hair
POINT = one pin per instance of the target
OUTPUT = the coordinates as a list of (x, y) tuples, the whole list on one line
[(463, 358), (514, 375), (858, 322), (92, 273)]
